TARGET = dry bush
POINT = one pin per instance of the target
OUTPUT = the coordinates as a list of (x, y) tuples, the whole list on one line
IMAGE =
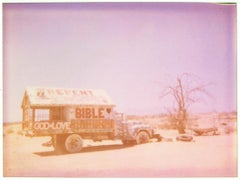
[(167, 126), (20, 132), (229, 129), (9, 131)]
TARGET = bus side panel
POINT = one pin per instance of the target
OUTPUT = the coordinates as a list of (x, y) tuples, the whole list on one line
[(45, 128)]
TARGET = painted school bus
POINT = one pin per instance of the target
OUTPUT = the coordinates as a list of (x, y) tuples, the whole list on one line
[(71, 115)]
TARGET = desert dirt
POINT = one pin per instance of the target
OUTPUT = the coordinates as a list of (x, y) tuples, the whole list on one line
[(205, 156)]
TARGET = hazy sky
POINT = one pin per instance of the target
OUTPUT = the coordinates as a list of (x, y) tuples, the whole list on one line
[(122, 48)]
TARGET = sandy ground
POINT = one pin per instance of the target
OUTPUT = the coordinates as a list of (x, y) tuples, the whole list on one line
[(206, 156)]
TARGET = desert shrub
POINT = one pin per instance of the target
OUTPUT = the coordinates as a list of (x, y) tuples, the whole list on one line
[(228, 129), (20, 132), (167, 126), (10, 131)]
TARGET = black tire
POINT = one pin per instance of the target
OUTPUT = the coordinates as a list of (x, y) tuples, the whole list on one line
[(184, 138), (142, 137), (73, 143)]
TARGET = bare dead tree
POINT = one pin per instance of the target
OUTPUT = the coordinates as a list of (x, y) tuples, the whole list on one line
[(185, 92)]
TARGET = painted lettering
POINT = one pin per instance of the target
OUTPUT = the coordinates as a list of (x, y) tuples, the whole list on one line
[(96, 124), (50, 91), (89, 113), (94, 115), (40, 93), (79, 113), (52, 125), (65, 92), (83, 92), (90, 93), (59, 92), (100, 113), (75, 92)]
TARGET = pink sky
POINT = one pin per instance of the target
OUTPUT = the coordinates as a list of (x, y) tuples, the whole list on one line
[(122, 48)]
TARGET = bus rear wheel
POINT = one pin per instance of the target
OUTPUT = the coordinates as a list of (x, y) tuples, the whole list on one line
[(73, 143)]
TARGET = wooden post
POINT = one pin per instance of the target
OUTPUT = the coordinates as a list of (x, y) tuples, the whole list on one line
[(33, 115), (33, 118), (23, 118)]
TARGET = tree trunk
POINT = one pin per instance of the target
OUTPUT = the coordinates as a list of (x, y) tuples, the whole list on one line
[(182, 116), (181, 127)]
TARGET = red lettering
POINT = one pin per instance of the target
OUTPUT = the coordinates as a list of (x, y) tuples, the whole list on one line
[(59, 92), (96, 123), (83, 92), (67, 92), (75, 92), (89, 124), (40, 93), (87, 113), (93, 113), (79, 113), (90, 92), (100, 124), (82, 124), (100, 113), (50, 91)]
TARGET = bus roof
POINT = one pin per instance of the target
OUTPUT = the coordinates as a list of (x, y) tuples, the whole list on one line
[(44, 96)]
